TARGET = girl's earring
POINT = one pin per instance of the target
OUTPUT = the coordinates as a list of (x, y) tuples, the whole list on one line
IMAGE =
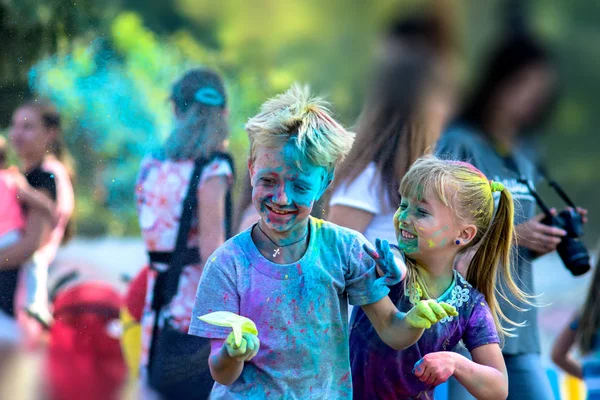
[(457, 241)]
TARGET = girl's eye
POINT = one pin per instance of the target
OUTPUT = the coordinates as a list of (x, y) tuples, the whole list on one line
[(403, 207), (422, 211), (301, 189)]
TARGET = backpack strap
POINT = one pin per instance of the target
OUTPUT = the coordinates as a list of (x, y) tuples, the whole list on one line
[(228, 197), (167, 282)]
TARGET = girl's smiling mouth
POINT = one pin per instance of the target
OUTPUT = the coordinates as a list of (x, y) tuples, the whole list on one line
[(407, 235)]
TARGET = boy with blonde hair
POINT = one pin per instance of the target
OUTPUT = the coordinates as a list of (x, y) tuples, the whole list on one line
[(292, 274)]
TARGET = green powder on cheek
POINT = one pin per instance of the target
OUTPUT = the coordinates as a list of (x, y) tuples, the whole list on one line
[(436, 233)]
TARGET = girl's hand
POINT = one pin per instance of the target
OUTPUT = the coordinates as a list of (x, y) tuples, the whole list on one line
[(429, 312), (386, 262), (435, 368), (247, 349)]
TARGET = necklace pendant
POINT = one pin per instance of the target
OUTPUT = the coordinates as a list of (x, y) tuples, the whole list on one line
[(276, 252)]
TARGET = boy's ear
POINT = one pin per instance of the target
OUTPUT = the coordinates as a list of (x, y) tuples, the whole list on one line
[(250, 167), (326, 183)]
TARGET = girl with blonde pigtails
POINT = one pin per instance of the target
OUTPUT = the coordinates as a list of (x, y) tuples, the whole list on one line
[(447, 208)]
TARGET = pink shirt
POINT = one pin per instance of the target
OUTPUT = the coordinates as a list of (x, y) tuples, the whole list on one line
[(11, 214)]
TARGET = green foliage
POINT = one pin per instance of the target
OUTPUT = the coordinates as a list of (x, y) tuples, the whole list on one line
[(261, 47), (99, 86)]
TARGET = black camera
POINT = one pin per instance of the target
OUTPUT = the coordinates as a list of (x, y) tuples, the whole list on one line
[(570, 249)]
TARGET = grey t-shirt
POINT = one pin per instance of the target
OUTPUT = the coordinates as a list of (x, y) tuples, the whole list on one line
[(300, 310), (461, 142)]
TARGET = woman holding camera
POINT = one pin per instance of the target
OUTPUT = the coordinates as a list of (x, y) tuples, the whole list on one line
[(516, 93)]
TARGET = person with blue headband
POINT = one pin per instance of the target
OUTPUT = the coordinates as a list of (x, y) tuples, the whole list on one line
[(182, 198)]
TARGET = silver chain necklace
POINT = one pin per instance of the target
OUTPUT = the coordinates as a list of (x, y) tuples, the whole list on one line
[(278, 246)]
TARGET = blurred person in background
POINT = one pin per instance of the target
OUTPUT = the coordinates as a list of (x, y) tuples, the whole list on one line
[(495, 132), (582, 333), (185, 183), (36, 136), (16, 194), (406, 108), (408, 105)]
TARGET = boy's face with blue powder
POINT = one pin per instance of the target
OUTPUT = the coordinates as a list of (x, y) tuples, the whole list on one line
[(285, 187)]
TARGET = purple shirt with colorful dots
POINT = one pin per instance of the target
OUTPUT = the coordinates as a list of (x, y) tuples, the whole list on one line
[(378, 372), (300, 310)]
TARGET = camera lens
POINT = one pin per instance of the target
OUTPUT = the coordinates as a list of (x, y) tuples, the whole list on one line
[(574, 255)]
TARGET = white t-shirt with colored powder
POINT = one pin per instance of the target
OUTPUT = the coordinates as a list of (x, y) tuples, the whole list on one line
[(364, 194), (300, 311)]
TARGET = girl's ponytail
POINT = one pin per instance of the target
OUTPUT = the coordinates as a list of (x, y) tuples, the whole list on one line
[(494, 252)]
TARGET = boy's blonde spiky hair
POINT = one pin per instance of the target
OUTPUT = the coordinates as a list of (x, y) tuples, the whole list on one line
[(299, 115)]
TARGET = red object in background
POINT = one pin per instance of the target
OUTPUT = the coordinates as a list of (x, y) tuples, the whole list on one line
[(84, 354), (136, 294)]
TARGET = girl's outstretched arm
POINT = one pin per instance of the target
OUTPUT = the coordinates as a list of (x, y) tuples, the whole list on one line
[(561, 352), (485, 377), (399, 330), (391, 324)]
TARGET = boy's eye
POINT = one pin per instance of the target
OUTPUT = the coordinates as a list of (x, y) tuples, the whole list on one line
[(301, 189), (267, 181)]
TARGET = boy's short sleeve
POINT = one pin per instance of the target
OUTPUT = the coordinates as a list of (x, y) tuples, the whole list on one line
[(217, 291), (480, 329), (361, 276)]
